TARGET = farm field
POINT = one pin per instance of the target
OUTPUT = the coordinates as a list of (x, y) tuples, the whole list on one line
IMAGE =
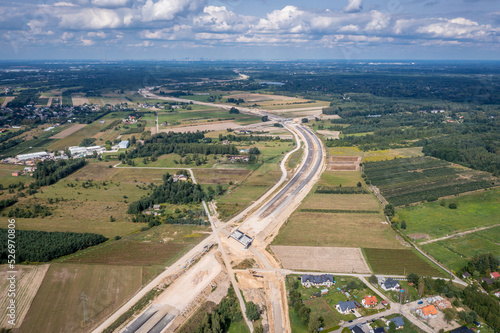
[(336, 178), (210, 126), (222, 176), (30, 145), (352, 202), (389, 154), (457, 251), (399, 262), (29, 279), (182, 117), (57, 307), (474, 210), (6, 177), (75, 138), (345, 230), (310, 258), (68, 131), (411, 180), (102, 172), (156, 246)]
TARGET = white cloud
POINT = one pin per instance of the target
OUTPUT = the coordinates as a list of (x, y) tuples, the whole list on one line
[(177, 32), (99, 34), (64, 4), (219, 19), (354, 6), (379, 21), (86, 42), (456, 28), (166, 10), (286, 18), (67, 36), (349, 28), (92, 19)]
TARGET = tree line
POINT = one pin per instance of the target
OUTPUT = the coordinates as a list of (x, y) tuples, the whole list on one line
[(42, 246), (49, 172)]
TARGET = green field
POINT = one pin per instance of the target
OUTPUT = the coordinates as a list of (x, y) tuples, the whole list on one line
[(57, 307), (399, 262), (346, 230), (336, 178), (411, 180), (475, 210), (457, 251)]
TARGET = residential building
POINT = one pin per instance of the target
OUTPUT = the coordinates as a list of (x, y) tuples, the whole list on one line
[(347, 307), (428, 311), (324, 291), (356, 329), (326, 280), (489, 282), (466, 275), (369, 301), (398, 321), (176, 178), (379, 330), (495, 275), (16, 173), (390, 284)]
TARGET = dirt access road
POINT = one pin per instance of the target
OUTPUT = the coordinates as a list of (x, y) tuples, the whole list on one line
[(279, 206)]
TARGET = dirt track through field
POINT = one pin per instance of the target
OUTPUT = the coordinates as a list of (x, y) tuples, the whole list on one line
[(205, 127), (68, 131), (344, 163), (327, 259), (29, 279)]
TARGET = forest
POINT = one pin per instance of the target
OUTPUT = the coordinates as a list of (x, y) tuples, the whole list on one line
[(178, 143), (42, 246), (174, 192), (49, 172)]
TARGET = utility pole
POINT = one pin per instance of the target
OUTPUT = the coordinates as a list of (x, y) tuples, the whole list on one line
[(84, 301)]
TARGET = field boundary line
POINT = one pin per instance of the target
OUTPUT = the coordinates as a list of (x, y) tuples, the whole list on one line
[(459, 234)]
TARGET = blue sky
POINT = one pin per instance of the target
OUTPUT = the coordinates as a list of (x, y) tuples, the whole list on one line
[(251, 29)]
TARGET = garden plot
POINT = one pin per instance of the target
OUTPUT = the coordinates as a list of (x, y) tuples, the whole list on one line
[(343, 163), (327, 259)]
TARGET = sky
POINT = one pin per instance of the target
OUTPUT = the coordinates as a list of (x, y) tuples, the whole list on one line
[(250, 29)]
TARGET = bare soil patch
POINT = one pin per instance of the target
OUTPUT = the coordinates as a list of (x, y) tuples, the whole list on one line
[(205, 127), (329, 134), (327, 259), (68, 131), (344, 163), (79, 100)]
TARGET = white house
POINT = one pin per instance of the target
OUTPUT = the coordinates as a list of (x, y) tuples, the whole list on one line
[(317, 280)]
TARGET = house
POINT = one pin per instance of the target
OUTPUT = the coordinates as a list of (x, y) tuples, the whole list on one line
[(428, 311), (495, 275), (16, 173), (225, 142), (466, 275), (489, 282), (156, 207), (324, 291), (379, 330), (462, 329), (398, 321), (346, 307), (497, 294), (238, 158), (326, 280), (316, 295), (356, 329), (390, 284), (369, 301), (176, 178), (384, 302)]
